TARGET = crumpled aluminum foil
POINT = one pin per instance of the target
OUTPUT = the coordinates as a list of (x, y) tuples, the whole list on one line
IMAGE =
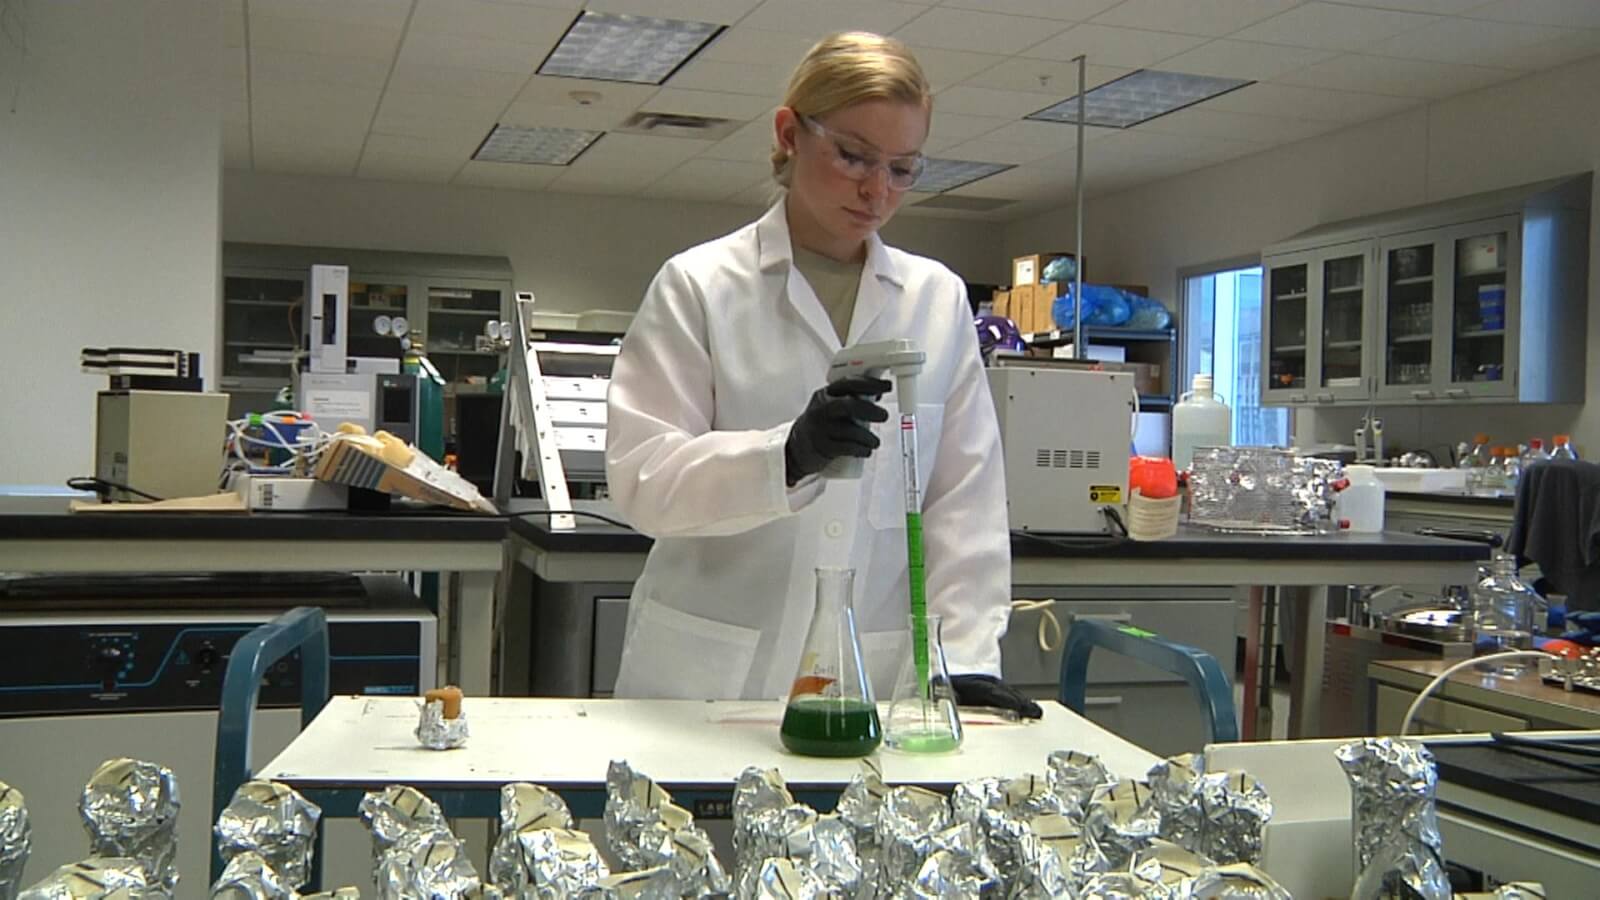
[(344, 893), (1118, 824), (524, 808), (1175, 800), (1240, 881), (1169, 864), (782, 879), (1074, 777), (436, 732), (395, 812), (554, 862), (1001, 810), (764, 816), (645, 829), (633, 802), (1124, 886), (827, 847), (1398, 849), (96, 878), (275, 821), (130, 809), (426, 863), (1262, 489), (1042, 856), (1520, 890), (16, 839), (1235, 809), (859, 805), (908, 822), (250, 876), (657, 883)]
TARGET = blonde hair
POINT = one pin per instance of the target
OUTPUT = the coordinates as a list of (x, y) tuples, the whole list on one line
[(846, 68)]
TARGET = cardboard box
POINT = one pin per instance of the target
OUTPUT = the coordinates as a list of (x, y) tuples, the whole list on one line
[(1044, 298), (1022, 307), (1028, 269), (1001, 304)]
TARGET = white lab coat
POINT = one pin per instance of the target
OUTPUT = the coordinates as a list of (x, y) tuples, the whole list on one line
[(726, 349)]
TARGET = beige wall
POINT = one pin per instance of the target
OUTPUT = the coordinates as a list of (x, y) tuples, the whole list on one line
[(1538, 127), (110, 162), (574, 252)]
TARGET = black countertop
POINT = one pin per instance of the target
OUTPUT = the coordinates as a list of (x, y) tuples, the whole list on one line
[(1457, 498), (592, 537), (398, 525)]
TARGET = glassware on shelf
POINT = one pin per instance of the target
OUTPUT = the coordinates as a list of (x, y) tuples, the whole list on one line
[(1477, 463), (1562, 449), (831, 711), (1504, 608), (922, 715), (1535, 453)]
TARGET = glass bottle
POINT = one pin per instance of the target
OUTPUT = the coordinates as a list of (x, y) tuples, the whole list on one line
[(923, 717), (1511, 469), (1478, 463), (1563, 448), (1535, 453), (830, 710), (1503, 609)]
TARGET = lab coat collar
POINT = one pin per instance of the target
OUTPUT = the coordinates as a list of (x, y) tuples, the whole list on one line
[(776, 249)]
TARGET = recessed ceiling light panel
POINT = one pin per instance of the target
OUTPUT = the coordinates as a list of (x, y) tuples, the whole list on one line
[(612, 47), (543, 146), (941, 175), (1139, 97)]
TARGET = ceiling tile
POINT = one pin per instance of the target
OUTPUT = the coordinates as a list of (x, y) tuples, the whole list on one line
[(1021, 183), (720, 12), (1213, 18), (1328, 26), (386, 165), (1050, 79), (1396, 77), (517, 176), (302, 156), (1309, 103), (820, 17), (442, 107), (949, 129), (631, 154), (586, 118), (741, 107), (1111, 46), (574, 181), (665, 188), (1570, 13), (236, 145), (1158, 143), (312, 36), (751, 143), (365, 13), (1244, 59), (1435, 7), (947, 67), (708, 179), (1470, 41), (301, 101), (546, 90), (458, 144), (277, 65), (989, 149), (1066, 10), (510, 22), (759, 47), (754, 79), (1216, 123), (233, 30), (430, 49), (1570, 47), (978, 101), (430, 127), (965, 29), (454, 81)]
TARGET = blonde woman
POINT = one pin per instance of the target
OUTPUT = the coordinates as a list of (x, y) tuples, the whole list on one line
[(719, 422)]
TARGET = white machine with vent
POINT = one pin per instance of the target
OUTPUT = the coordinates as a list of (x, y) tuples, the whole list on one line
[(1067, 435)]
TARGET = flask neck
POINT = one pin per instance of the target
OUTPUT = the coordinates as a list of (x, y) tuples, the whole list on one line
[(834, 589)]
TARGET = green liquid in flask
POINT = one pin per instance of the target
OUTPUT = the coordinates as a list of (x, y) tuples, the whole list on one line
[(821, 726)]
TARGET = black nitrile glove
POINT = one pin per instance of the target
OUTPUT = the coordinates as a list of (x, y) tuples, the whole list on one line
[(987, 690), (832, 426)]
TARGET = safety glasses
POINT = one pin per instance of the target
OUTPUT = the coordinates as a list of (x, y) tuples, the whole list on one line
[(856, 160)]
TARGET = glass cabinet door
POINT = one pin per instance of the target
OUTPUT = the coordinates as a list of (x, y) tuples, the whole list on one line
[(1409, 284), (375, 306), (260, 322), (1343, 295), (1481, 306), (1287, 305), (456, 318)]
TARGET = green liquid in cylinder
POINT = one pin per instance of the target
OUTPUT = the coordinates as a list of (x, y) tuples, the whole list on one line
[(820, 726)]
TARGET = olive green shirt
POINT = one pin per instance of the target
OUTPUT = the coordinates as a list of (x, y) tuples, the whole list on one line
[(835, 284)]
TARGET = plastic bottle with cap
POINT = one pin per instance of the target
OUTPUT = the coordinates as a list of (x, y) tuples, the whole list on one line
[(1361, 502), (1535, 453), (1200, 419), (1563, 448), (1478, 462)]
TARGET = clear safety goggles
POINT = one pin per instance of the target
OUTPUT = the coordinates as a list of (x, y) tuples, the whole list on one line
[(856, 160)]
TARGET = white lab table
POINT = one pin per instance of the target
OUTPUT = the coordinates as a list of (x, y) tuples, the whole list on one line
[(694, 749)]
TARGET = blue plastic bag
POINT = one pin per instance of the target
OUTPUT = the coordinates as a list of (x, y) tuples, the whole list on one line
[(1060, 269), (1110, 307)]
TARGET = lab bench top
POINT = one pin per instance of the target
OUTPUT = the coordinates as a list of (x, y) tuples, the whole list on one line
[(1189, 542), (398, 525), (1526, 695), (1456, 498)]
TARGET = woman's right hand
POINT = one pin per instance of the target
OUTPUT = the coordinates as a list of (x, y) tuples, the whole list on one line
[(833, 425)]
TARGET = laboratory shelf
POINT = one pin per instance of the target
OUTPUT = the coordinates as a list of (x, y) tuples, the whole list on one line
[(481, 313), (1419, 279), (275, 345), (1411, 339), (1297, 295), (1343, 345), (1334, 292), (1482, 333), (277, 304), (1290, 348)]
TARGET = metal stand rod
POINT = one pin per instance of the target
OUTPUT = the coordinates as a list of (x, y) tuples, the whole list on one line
[(1078, 350)]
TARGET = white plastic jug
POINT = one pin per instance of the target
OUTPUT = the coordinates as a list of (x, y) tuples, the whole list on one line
[(1200, 419), (1361, 504)]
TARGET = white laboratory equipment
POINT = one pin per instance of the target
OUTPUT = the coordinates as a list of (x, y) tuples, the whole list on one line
[(1200, 419), (1361, 504)]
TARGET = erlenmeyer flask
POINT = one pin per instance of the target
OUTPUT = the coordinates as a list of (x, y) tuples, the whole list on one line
[(831, 711), (922, 718)]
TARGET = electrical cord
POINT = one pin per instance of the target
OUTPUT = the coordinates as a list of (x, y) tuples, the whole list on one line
[(104, 487), (1517, 740), (1047, 621), (1416, 705), (1118, 535)]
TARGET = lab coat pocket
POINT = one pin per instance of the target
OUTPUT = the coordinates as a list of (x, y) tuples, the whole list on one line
[(672, 654), (882, 653), (887, 507)]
